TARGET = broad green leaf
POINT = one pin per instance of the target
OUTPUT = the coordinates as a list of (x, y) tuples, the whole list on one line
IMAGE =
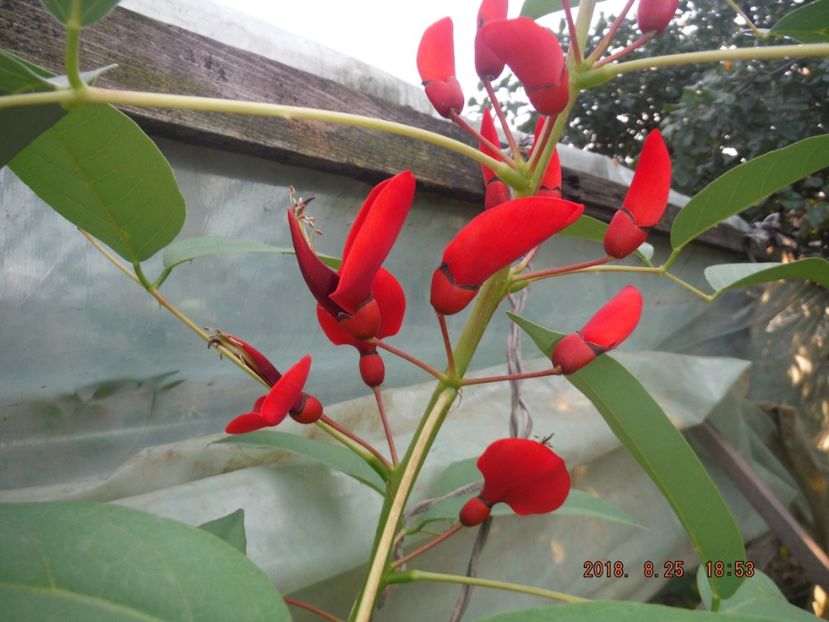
[(589, 228), (730, 275), (230, 528), (95, 561), (617, 611), (20, 76), (807, 24), (649, 436), (338, 458), (98, 170), (748, 184), (539, 8), (90, 11), (188, 249)]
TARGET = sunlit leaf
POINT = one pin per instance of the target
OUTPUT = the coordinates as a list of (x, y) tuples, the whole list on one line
[(806, 24), (617, 611), (95, 561), (230, 528), (748, 184), (539, 8), (649, 436), (98, 170), (338, 458), (729, 276), (90, 11)]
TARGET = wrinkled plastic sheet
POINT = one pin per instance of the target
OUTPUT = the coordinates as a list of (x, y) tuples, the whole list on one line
[(310, 529)]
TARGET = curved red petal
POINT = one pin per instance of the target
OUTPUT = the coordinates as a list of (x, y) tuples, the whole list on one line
[(489, 132), (497, 192), (436, 52), (445, 95), (647, 196), (354, 230), (332, 329), (551, 182), (391, 299), (655, 15), (623, 236), (488, 64), (535, 57), (615, 321), (321, 279), (497, 237), (257, 405), (246, 423), (378, 229), (286, 392), (572, 353), (526, 475)]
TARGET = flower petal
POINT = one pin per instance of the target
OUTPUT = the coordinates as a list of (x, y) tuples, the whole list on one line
[(436, 64), (246, 423), (489, 132), (526, 475), (321, 279), (615, 321), (379, 223), (488, 64), (252, 357), (647, 196), (391, 299), (551, 182), (655, 15), (535, 57), (285, 393)]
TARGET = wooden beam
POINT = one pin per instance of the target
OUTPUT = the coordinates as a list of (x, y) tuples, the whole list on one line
[(157, 57)]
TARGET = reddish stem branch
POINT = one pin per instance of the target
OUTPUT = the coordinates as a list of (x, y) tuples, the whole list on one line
[(407, 357), (447, 344), (323, 614), (606, 40), (555, 371), (432, 543), (571, 27), (346, 432), (627, 50), (493, 98), (464, 125), (386, 428), (542, 274)]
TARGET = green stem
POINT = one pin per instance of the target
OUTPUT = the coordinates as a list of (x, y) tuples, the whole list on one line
[(594, 77), (95, 95), (410, 576), (73, 39), (747, 19)]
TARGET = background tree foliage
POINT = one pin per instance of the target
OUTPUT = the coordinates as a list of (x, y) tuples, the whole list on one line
[(710, 121)]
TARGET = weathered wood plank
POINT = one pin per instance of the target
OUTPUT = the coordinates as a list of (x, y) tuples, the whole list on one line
[(158, 57)]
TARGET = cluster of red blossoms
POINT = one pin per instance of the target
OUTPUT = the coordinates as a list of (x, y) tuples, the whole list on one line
[(359, 302)]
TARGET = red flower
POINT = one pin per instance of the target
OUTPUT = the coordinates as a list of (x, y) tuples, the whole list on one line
[(655, 15), (551, 182), (526, 475), (609, 327), (491, 241), (645, 201), (535, 57), (436, 65), (284, 397), (392, 304), (488, 64), (497, 191), (346, 294), (252, 358)]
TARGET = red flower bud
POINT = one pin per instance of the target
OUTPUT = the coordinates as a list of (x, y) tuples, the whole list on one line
[(436, 65), (535, 57), (488, 64), (491, 241), (609, 327), (655, 15), (253, 358), (645, 201), (274, 407), (372, 369), (497, 191), (551, 182), (526, 475), (307, 411)]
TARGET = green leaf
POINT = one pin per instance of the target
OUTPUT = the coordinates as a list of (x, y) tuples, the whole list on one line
[(731, 275), (747, 184), (90, 10), (757, 596), (338, 458), (618, 611), (807, 24), (20, 76), (98, 170), (539, 8), (230, 528), (646, 432), (188, 249), (589, 228), (95, 561)]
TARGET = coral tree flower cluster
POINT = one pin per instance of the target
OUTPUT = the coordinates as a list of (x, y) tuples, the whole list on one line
[(526, 475)]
